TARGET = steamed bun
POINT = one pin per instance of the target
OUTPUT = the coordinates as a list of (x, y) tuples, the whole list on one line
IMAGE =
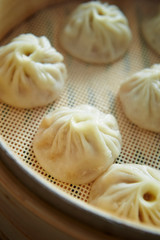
[(32, 72), (151, 32), (76, 145), (140, 98), (129, 191), (96, 33)]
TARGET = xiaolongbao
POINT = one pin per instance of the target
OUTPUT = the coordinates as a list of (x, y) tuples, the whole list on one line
[(140, 98), (76, 145), (151, 32), (31, 72), (129, 191), (96, 32)]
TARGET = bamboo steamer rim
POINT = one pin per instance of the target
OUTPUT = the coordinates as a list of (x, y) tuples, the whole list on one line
[(74, 208)]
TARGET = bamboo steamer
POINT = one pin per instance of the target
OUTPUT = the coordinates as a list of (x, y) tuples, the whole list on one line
[(23, 215), (33, 205)]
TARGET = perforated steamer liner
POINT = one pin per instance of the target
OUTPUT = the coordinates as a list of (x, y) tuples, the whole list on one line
[(96, 85)]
